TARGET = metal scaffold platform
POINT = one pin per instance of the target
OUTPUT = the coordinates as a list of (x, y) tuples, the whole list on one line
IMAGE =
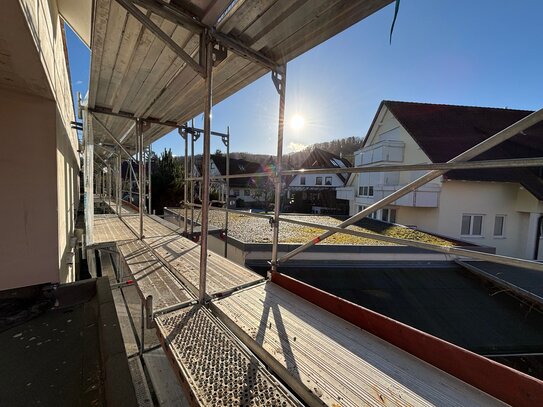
[(156, 65), (151, 277), (220, 350), (217, 370), (335, 361)]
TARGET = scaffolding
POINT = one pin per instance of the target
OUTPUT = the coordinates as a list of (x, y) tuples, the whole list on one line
[(213, 49), (130, 146)]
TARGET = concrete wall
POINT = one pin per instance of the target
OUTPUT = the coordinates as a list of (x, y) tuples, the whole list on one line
[(39, 157), (29, 246)]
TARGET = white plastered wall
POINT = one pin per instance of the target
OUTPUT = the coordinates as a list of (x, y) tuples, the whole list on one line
[(40, 152)]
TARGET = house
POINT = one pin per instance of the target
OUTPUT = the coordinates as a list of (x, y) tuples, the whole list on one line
[(39, 156), (244, 192), (316, 193), (501, 208)]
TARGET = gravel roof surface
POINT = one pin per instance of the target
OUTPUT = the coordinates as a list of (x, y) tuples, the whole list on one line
[(258, 230)]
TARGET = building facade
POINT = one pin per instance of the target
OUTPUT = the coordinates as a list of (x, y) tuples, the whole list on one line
[(39, 157), (501, 208), (316, 193)]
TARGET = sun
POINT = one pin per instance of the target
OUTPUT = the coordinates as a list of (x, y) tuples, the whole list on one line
[(297, 121)]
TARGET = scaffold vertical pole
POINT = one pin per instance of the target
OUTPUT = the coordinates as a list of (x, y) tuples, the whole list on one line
[(227, 193), (149, 183), (130, 180), (109, 185), (279, 81), (118, 182), (192, 182), (185, 136), (141, 189), (205, 167)]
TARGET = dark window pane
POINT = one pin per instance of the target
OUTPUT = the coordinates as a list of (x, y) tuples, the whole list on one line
[(466, 222), (477, 225), (498, 225)]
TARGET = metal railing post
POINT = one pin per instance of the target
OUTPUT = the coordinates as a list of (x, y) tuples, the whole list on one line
[(205, 168), (118, 182), (227, 192), (141, 189), (149, 172), (192, 183), (184, 134), (280, 84)]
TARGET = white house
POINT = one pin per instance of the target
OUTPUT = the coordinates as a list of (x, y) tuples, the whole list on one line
[(243, 191), (501, 208), (316, 193)]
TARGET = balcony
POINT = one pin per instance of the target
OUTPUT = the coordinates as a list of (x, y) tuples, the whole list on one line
[(346, 193), (426, 196), (386, 151)]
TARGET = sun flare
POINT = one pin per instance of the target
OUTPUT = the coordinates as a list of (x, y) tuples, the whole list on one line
[(297, 121)]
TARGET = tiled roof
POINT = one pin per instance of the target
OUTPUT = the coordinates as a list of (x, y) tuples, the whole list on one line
[(445, 131)]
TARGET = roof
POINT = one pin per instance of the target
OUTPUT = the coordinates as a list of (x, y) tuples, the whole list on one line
[(445, 131), (319, 158), (436, 300), (237, 166), (133, 72)]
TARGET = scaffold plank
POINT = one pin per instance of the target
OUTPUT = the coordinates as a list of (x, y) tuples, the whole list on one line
[(183, 256), (215, 368), (336, 360), (108, 229), (151, 276), (151, 228)]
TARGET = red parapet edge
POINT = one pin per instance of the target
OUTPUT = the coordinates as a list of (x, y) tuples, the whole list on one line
[(500, 381)]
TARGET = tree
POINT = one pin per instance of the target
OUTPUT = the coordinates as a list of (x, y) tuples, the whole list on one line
[(265, 192), (167, 182)]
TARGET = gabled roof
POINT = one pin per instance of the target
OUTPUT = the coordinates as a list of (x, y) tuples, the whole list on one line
[(318, 158), (445, 131), (237, 166)]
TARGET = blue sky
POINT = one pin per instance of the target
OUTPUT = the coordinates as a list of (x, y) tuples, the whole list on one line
[(483, 53)]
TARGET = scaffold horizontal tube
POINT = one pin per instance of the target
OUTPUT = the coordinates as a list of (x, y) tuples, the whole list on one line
[(469, 165), (496, 139)]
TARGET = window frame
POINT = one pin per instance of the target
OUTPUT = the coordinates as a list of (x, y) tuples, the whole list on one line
[(317, 179), (502, 235), (472, 216)]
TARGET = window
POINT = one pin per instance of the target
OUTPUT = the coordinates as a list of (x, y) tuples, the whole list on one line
[(472, 225), (388, 215), (499, 225), (247, 192), (236, 192), (327, 180), (302, 180), (318, 181), (365, 191)]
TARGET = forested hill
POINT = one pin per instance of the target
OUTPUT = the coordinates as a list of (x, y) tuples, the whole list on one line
[(344, 147)]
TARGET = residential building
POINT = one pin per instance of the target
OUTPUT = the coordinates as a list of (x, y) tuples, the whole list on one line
[(244, 192), (316, 193), (39, 158), (501, 208)]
